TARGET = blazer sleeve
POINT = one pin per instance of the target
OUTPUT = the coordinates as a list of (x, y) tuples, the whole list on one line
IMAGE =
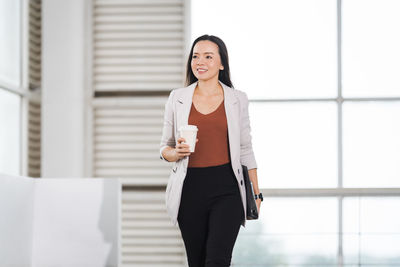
[(168, 135), (247, 157)]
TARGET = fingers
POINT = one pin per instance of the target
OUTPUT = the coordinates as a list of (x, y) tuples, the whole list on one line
[(182, 149), (181, 143), (182, 140)]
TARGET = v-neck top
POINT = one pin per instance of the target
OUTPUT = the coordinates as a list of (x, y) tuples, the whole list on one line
[(212, 149)]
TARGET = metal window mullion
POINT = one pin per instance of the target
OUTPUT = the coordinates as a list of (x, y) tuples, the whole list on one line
[(338, 99), (292, 100), (331, 192), (16, 90), (23, 89), (89, 91), (340, 175), (340, 258), (359, 99)]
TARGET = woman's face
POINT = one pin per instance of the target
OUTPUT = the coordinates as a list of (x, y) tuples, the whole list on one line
[(206, 61)]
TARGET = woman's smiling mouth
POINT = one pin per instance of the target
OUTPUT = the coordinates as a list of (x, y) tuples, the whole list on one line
[(201, 71)]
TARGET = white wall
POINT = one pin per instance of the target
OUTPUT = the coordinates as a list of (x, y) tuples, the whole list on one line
[(76, 222), (59, 222), (63, 88), (16, 212)]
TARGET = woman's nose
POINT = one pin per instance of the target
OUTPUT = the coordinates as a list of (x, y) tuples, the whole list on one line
[(200, 61)]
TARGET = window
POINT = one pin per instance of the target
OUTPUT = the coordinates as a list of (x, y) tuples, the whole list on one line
[(10, 45), (17, 34), (10, 72), (322, 79), (9, 132)]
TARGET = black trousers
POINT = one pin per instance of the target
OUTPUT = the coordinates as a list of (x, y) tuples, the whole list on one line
[(210, 215)]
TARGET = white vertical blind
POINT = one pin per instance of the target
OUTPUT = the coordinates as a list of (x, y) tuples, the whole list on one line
[(138, 47), (126, 140), (148, 239), (34, 78), (34, 132), (35, 28)]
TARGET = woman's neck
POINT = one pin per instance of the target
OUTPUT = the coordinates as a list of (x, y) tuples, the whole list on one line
[(209, 87)]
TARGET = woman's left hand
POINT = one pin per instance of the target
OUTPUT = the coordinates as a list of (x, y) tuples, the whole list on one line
[(258, 203)]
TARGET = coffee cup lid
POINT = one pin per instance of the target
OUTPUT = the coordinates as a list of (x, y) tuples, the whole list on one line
[(188, 128)]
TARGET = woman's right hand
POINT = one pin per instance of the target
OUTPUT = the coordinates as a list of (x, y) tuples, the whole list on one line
[(181, 149)]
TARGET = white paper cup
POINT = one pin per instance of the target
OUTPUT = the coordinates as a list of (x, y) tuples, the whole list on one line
[(189, 132)]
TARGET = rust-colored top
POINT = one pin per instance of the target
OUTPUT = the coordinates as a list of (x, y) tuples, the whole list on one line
[(212, 149)]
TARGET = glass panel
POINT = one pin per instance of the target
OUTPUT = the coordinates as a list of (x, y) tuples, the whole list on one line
[(380, 249), (294, 231), (371, 144), (10, 47), (371, 215), (9, 133), (370, 48), (371, 229), (277, 49), (295, 144)]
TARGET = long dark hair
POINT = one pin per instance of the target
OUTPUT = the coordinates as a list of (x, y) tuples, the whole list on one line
[(224, 75)]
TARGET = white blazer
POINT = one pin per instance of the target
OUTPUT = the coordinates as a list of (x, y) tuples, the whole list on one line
[(177, 110)]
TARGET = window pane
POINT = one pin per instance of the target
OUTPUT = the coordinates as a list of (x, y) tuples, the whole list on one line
[(295, 231), (10, 42), (370, 46), (9, 132), (371, 231), (371, 144), (277, 49), (295, 144)]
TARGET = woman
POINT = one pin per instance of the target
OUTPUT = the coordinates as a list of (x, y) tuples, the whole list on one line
[(205, 194)]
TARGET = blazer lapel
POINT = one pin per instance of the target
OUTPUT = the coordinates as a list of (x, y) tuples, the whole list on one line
[(232, 118), (184, 103)]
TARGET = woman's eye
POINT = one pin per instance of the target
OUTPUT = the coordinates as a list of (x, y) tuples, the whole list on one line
[(206, 56)]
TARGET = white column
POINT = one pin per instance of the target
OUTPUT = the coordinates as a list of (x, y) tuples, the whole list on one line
[(63, 87)]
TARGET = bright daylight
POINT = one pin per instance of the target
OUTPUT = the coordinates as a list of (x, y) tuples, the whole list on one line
[(199, 133)]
